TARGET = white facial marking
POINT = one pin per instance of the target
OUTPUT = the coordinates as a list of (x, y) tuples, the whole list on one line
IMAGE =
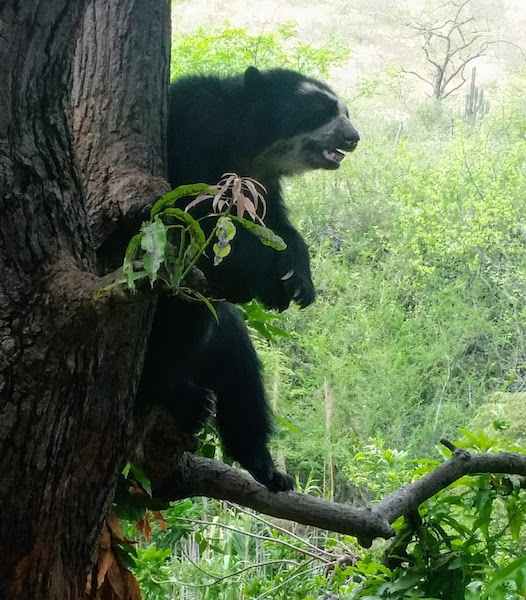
[(308, 87)]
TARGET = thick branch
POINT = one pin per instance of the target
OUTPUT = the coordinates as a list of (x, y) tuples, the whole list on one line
[(79, 289), (213, 479), (408, 498), (458, 86)]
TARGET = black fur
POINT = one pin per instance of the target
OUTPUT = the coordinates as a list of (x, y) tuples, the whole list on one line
[(263, 125)]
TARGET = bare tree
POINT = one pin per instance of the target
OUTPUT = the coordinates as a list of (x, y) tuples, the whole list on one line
[(451, 38)]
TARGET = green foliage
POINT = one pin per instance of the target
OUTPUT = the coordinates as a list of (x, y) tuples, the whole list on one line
[(228, 50), (465, 542), (169, 246), (261, 321), (419, 328), (377, 470), (459, 543), (265, 235)]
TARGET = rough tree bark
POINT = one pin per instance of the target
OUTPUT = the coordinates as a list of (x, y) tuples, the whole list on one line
[(68, 366), (119, 113)]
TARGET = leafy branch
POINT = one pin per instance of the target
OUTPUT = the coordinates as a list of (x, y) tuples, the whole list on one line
[(168, 248)]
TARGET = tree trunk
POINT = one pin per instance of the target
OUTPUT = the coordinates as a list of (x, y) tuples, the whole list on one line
[(69, 364), (120, 74)]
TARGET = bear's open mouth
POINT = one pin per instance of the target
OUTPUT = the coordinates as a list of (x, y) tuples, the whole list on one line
[(335, 155)]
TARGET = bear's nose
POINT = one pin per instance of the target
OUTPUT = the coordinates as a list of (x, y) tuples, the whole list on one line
[(352, 137)]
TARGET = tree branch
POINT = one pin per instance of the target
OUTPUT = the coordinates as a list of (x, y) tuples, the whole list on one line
[(418, 75), (444, 44), (213, 479), (408, 498), (454, 89)]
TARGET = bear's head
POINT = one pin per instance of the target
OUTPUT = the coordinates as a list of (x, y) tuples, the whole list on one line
[(306, 126)]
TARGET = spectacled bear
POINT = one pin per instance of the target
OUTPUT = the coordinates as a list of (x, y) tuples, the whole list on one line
[(265, 125)]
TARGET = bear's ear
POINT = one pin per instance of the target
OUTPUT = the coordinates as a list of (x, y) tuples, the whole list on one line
[(253, 81)]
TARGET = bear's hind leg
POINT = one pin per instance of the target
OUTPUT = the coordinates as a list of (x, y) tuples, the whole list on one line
[(232, 370)]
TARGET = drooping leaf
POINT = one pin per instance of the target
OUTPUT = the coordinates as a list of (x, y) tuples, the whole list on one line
[(256, 194), (160, 519), (179, 192), (506, 574), (265, 235), (194, 229), (173, 266), (225, 232), (286, 423), (136, 473), (204, 299), (221, 252), (129, 257), (405, 582), (516, 520), (153, 242), (144, 526)]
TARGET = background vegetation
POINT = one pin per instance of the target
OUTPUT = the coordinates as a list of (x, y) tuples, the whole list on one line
[(418, 333)]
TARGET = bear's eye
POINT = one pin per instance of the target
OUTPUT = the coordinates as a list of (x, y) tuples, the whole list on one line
[(319, 109)]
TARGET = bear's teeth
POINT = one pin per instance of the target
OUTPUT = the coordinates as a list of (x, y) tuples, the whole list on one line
[(335, 155), (330, 155)]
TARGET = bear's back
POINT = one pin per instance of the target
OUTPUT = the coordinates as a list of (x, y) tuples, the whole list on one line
[(201, 128)]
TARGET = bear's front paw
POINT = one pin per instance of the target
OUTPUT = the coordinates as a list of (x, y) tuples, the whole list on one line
[(274, 480), (299, 287), (262, 468)]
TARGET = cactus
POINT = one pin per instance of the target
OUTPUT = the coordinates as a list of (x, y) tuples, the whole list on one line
[(476, 104)]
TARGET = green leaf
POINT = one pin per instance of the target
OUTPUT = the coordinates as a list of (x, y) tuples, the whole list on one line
[(179, 192), (226, 230), (173, 266), (153, 242), (265, 235), (504, 575), (138, 475), (208, 450), (406, 582), (220, 252), (129, 257), (286, 423), (263, 321), (473, 590), (194, 229), (516, 519), (203, 299), (276, 330)]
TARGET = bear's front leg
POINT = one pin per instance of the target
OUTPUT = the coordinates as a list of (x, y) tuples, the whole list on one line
[(294, 270)]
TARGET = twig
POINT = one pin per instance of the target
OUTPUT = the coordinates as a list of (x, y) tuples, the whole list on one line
[(282, 529), (257, 536)]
